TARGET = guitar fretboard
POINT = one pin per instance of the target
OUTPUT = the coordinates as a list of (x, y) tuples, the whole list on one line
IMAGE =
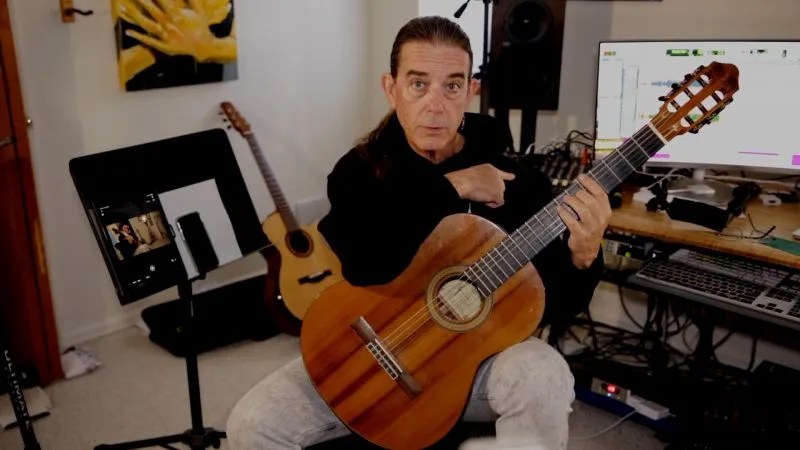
[(272, 184), (513, 252)]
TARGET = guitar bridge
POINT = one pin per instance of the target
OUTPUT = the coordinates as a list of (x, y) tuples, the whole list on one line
[(386, 359)]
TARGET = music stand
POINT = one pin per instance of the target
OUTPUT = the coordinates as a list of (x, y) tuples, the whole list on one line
[(164, 214)]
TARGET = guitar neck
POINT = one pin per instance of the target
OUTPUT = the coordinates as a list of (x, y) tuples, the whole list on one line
[(511, 254), (272, 184)]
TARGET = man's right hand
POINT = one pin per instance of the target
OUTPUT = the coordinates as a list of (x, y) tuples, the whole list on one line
[(484, 183)]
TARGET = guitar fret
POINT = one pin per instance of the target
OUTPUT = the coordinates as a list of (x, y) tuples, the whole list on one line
[(478, 281), (603, 161), (491, 272), (503, 258), (498, 265), (622, 155), (509, 251), (546, 227), (533, 233), (646, 154)]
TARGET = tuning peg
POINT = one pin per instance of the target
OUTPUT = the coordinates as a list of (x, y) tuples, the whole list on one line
[(663, 98), (675, 86), (694, 130)]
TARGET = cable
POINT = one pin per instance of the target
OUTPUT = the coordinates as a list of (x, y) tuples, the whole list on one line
[(606, 429), (753, 353), (625, 308)]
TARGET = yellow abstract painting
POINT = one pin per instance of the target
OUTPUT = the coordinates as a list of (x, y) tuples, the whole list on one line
[(167, 43)]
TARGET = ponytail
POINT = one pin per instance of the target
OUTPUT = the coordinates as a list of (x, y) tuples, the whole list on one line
[(368, 148)]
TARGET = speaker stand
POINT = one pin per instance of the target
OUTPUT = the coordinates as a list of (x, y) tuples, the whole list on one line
[(198, 437)]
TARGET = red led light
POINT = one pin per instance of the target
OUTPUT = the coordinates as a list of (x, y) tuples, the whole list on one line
[(612, 389)]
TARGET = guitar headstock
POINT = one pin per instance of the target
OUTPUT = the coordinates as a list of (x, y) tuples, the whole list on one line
[(695, 102), (236, 119)]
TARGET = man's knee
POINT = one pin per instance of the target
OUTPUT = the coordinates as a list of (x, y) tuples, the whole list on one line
[(245, 427), (534, 373)]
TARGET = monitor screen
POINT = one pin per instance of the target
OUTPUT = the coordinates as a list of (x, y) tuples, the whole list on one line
[(756, 131)]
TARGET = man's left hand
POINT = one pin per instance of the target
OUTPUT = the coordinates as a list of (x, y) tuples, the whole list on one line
[(586, 232)]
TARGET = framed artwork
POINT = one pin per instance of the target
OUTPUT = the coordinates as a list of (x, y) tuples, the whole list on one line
[(168, 43)]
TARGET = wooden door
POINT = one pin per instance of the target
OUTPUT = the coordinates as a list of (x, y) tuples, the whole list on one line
[(26, 312)]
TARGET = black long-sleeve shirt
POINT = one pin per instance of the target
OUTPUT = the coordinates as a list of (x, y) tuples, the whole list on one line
[(376, 225)]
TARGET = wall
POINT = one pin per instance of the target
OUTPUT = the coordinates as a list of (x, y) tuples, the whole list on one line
[(385, 19), (301, 79)]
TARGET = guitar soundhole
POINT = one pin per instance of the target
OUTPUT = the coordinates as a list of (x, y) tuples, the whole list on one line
[(299, 242), (456, 303), (459, 301)]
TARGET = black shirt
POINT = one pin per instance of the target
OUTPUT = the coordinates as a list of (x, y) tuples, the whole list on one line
[(376, 225)]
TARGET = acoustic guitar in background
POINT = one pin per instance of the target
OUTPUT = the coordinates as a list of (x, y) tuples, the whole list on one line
[(396, 362), (300, 258)]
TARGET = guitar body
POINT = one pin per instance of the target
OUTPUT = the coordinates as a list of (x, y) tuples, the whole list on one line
[(439, 363), (307, 265), (300, 263)]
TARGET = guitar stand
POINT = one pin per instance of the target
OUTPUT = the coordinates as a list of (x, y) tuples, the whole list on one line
[(198, 437)]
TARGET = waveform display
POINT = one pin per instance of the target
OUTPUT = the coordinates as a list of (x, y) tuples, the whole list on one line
[(678, 52), (669, 83)]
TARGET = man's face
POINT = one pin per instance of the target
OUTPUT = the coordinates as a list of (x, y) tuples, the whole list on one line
[(431, 93)]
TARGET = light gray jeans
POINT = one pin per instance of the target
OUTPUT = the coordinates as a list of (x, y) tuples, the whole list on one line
[(527, 389)]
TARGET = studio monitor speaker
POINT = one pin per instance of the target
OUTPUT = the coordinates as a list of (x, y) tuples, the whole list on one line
[(525, 59)]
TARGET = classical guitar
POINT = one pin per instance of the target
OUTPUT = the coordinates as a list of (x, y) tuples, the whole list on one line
[(396, 362), (304, 263)]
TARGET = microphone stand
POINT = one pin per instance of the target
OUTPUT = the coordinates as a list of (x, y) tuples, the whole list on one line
[(483, 70)]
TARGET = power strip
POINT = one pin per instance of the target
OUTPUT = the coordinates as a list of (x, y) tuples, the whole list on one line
[(647, 408)]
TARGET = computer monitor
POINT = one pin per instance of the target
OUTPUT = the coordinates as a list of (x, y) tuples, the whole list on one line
[(756, 132)]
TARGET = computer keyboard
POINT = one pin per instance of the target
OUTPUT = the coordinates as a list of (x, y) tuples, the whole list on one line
[(735, 267), (737, 282)]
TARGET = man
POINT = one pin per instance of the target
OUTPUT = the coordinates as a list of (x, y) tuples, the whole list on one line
[(428, 158)]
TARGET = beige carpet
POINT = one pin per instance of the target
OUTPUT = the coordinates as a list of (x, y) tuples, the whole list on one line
[(141, 392)]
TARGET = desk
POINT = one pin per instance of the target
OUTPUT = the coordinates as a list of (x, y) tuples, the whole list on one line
[(634, 218), (697, 397)]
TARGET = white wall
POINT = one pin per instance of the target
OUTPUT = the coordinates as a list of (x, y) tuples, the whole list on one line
[(385, 19), (301, 86)]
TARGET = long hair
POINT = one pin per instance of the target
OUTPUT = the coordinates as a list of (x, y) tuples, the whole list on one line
[(433, 30)]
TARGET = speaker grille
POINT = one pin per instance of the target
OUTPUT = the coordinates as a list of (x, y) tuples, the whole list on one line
[(525, 63)]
